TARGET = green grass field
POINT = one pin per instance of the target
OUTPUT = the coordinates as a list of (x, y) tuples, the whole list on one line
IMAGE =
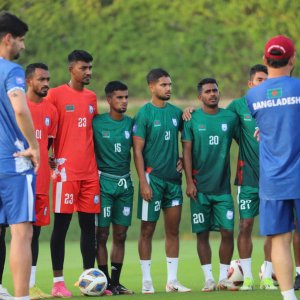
[(189, 273)]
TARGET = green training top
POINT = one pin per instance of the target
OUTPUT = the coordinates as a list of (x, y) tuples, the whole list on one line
[(113, 141), (211, 136), (159, 127), (248, 159)]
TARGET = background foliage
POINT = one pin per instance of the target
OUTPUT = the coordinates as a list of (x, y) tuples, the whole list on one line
[(192, 39)]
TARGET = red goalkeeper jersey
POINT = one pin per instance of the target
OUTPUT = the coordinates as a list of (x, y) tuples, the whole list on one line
[(74, 145), (44, 116)]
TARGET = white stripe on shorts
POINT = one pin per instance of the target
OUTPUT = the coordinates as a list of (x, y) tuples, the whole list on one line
[(30, 197), (145, 204), (58, 196), (238, 194)]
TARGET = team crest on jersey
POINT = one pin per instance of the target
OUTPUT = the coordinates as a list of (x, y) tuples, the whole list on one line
[(202, 127), (247, 117), (157, 123), (96, 199), (47, 121), (229, 215), (224, 127), (20, 80), (91, 109), (105, 134), (127, 134), (126, 211), (174, 122)]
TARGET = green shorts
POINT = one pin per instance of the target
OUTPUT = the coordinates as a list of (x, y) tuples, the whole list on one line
[(248, 202), (212, 213), (116, 200), (165, 195)]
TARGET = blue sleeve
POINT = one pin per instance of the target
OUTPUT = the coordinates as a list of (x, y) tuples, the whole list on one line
[(15, 80), (249, 102)]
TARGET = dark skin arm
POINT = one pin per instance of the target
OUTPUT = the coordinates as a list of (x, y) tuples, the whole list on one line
[(138, 146), (191, 190)]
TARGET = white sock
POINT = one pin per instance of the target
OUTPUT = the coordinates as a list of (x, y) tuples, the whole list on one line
[(298, 270), (172, 266), (207, 270), (32, 276), (289, 295), (146, 269), (58, 279), (246, 267), (22, 298), (268, 270), (223, 271)]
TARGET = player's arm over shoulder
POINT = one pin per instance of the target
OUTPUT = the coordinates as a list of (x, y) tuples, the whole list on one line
[(233, 105)]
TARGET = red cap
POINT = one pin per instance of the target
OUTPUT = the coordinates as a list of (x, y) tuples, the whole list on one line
[(282, 44)]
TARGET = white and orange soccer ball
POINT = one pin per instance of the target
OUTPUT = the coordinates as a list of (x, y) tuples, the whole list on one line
[(261, 272), (235, 273), (92, 282)]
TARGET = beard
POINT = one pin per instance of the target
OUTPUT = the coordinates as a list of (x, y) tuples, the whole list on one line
[(16, 56), (121, 110), (41, 94), (213, 105), (163, 98)]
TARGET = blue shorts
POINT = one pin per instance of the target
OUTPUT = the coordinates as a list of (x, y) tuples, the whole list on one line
[(17, 198), (278, 216)]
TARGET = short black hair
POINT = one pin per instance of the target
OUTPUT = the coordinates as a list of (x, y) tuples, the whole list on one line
[(204, 81), (30, 69), (10, 23), (155, 74), (113, 86), (257, 68), (277, 63), (80, 55)]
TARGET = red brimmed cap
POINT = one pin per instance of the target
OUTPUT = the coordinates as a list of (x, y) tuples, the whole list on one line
[(284, 47)]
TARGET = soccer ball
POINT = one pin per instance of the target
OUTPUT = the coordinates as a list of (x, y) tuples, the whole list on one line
[(92, 282), (235, 273), (261, 272)]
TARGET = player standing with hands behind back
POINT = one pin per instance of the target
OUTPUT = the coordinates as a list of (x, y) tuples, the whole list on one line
[(156, 128), (75, 180), (44, 117), (113, 141), (206, 140)]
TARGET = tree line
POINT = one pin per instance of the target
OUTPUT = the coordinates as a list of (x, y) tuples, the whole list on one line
[(191, 39)]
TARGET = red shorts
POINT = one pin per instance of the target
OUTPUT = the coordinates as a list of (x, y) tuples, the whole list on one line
[(72, 196), (42, 210)]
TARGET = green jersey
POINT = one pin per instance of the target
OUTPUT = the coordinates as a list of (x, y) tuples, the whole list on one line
[(211, 137), (248, 157), (113, 141), (159, 127)]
